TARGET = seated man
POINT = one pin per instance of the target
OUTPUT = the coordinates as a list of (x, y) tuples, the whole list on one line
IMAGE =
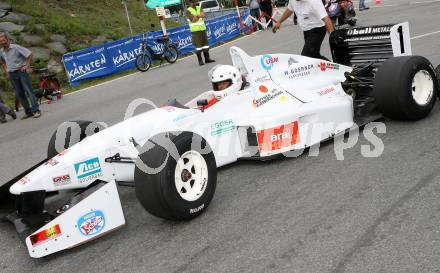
[(226, 79)]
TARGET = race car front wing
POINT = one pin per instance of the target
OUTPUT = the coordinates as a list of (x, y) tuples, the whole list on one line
[(87, 216)]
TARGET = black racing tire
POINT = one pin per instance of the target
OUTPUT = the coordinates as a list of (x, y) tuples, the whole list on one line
[(399, 81), (158, 191), (437, 72), (171, 54), (85, 128), (143, 62)]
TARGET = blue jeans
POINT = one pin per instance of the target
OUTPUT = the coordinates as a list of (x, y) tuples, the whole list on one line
[(24, 91), (361, 4), (256, 13)]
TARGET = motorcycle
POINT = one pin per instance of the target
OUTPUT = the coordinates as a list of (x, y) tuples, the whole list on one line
[(341, 12)]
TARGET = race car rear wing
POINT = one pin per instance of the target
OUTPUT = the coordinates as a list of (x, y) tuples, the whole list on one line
[(372, 44)]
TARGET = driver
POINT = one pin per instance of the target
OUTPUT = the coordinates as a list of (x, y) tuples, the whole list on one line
[(226, 79)]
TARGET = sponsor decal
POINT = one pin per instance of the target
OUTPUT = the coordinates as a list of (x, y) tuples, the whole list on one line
[(220, 31), (326, 90), (278, 137), (79, 71), (221, 127), (299, 71), (267, 61), (24, 180), (61, 180), (88, 170), (324, 66), (123, 58), (45, 235), (369, 30), (261, 79), (183, 116), (274, 93), (92, 223), (230, 28), (199, 208), (52, 162), (263, 89), (291, 61), (367, 38)]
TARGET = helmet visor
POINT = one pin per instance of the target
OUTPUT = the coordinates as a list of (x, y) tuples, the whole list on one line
[(222, 85)]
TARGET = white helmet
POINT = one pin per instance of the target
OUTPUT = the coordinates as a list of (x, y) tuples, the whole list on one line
[(222, 73)]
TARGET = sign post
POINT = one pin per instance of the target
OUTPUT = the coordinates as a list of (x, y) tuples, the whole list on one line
[(124, 2), (160, 11)]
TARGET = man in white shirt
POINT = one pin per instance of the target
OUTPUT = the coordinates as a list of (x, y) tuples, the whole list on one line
[(313, 20)]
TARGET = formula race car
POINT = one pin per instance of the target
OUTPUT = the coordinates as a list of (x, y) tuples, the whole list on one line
[(171, 154)]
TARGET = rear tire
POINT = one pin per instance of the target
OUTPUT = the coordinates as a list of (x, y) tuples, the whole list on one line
[(175, 189), (437, 73), (143, 62), (84, 129), (405, 88), (171, 54)]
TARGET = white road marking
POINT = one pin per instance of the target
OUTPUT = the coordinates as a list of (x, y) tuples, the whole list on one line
[(424, 2), (426, 34)]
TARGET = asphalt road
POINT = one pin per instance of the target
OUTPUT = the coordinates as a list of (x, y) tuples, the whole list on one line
[(307, 214)]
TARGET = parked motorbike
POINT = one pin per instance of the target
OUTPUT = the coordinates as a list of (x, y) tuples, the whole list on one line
[(341, 12)]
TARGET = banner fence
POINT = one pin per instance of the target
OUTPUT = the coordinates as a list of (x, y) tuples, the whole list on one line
[(118, 56)]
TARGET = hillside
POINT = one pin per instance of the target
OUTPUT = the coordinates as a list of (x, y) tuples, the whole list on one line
[(52, 27), (82, 21)]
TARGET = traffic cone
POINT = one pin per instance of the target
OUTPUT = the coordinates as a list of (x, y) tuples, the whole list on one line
[(378, 2)]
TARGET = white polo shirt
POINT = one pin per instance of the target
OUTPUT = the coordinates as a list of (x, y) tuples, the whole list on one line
[(309, 12)]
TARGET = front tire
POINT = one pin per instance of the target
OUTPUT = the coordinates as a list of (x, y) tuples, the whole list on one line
[(143, 62), (175, 176), (405, 88)]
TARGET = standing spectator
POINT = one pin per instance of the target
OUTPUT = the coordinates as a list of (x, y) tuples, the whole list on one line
[(362, 5), (5, 110), (254, 8), (196, 20), (313, 20), (16, 60), (266, 7)]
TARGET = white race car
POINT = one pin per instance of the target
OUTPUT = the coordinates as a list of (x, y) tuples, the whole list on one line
[(172, 153)]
